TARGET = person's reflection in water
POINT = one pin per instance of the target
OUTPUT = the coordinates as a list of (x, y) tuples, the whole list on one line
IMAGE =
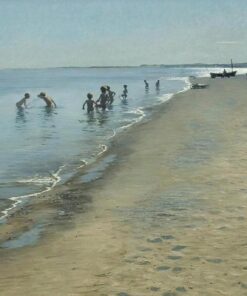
[(48, 112), (91, 118), (47, 117), (102, 117), (20, 117), (157, 87), (124, 101)]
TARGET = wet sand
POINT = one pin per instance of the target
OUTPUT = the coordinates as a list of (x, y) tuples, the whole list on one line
[(167, 217)]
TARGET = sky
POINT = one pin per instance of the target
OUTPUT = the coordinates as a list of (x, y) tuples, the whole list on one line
[(63, 33)]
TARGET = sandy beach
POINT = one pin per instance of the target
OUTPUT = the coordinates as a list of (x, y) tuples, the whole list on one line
[(166, 217)]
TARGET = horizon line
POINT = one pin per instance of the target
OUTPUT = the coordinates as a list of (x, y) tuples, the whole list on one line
[(137, 66)]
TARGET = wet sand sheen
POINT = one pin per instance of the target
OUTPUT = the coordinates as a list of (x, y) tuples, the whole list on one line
[(167, 218)]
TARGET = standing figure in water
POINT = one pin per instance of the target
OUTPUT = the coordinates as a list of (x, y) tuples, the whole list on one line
[(111, 95), (23, 101), (157, 85), (146, 84), (90, 103), (125, 92), (103, 98), (48, 100)]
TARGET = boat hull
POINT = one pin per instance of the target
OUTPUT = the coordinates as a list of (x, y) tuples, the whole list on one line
[(224, 74)]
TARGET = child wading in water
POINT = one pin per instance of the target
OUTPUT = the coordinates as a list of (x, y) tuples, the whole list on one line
[(23, 101), (146, 84), (111, 95), (103, 98), (48, 100), (157, 84), (90, 103), (125, 92)]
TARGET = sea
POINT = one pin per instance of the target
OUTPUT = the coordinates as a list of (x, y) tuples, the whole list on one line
[(41, 148)]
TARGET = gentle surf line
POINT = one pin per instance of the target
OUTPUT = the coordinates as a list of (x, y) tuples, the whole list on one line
[(19, 199)]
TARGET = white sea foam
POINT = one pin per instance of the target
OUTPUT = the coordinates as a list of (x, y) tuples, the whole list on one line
[(138, 111), (50, 181), (84, 163), (104, 148), (113, 134), (164, 98)]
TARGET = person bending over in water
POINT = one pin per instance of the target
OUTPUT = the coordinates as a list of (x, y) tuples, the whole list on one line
[(125, 92), (23, 101), (111, 95), (90, 103), (48, 100), (103, 98), (146, 84)]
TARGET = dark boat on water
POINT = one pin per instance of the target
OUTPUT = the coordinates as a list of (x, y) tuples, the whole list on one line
[(224, 73)]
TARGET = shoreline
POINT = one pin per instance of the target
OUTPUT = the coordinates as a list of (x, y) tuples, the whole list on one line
[(21, 201), (161, 218)]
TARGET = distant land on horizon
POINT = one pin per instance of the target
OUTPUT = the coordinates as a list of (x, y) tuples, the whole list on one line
[(202, 65), (199, 65), (193, 65)]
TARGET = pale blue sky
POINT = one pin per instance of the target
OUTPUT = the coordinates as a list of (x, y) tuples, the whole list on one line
[(51, 33)]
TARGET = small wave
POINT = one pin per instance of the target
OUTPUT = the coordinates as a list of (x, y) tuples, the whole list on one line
[(165, 98), (113, 134), (84, 162), (138, 111), (241, 71), (38, 180), (184, 78), (104, 148), (53, 180)]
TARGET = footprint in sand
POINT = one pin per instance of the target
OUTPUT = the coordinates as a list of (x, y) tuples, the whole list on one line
[(167, 237), (162, 268), (244, 286), (178, 248), (155, 240), (145, 249), (174, 257), (177, 269), (217, 260), (154, 289), (181, 289), (169, 294)]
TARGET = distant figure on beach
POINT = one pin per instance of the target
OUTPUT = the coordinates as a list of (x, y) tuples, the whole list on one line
[(90, 103), (111, 95), (157, 85), (146, 84), (48, 100), (125, 92), (23, 101), (103, 98)]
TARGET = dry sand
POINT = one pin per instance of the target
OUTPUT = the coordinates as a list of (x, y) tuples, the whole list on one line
[(168, 217)]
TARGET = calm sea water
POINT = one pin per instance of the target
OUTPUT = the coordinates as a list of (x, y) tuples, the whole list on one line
[(40, 146)]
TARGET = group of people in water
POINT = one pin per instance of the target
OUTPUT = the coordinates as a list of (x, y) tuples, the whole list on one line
[(48, 100), (105, 99), (157, 85)]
